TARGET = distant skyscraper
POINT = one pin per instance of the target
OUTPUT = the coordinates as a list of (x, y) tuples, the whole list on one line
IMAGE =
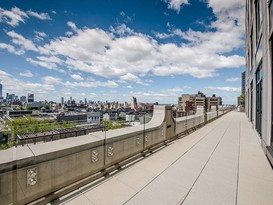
[(62, 100), (1, 91), (23, 98), (30, 98), (243, 82), (133, 103)]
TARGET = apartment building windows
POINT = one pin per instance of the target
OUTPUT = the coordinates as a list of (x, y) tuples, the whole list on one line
[(251, 51), (259, 97), (258, 18)]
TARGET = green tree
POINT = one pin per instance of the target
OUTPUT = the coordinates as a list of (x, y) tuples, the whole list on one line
[(242, 99)]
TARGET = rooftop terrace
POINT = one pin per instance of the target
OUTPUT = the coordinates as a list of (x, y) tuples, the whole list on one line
[(220, 163)]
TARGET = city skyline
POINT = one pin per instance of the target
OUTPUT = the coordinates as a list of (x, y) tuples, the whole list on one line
[(155, 50)]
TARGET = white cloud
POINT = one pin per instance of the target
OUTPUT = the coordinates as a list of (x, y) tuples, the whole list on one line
[(104, 54), (226, 89), (93, 84), (233, 79), (27, 73), (21, 41), (176, 4), (41, 16), (14, 85), (121, 30), (50, 59), (39, 36), (50, 66), (72, 26), (11, 49), (12, 17), (15, 16), (76, 77), (52, 80), (121, 52), (163, 35), (129, 87), (130, 77), (68, 33), (133, 78), (42, 34)]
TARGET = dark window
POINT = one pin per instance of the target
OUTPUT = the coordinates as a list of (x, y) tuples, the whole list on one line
[(258, 17), (251, 50), (259, 97), (271, 17)]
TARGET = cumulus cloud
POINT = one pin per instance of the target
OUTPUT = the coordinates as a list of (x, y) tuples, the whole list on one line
[(41, 16), (39, 36), (11, 49), (76, 77), (72, 26), (21, 41), (12, 17), (102, 53), (15, 16), (129, 77), (19, 87), (48, 65), (176, 4), (121, 30), (122, 54), (52, 80), (27, 73)]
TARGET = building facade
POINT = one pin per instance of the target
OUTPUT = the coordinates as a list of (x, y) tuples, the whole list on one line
[(133, 103), (188, 103), (259, 44), (213, 102), (243, 82), (30, 98)]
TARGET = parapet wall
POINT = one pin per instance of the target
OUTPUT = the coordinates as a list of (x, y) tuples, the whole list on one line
[(34, 171)]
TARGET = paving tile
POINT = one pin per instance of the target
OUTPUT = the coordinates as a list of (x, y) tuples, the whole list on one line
[(111, 192), (136, 177), (252, 191), (79, 200), (164, 190)]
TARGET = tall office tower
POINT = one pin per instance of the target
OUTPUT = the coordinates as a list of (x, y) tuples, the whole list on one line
[(30, 98), (23, 98), (133, 103), (243, 83), (259, 78), (62, 100), (1, 89)]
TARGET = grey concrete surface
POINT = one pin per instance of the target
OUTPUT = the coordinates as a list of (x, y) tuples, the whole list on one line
[(221, 163)]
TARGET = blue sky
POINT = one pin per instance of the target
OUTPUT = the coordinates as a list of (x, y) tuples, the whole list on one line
[(111, 50)]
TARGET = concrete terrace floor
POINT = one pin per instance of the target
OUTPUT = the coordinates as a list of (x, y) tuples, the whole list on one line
[(221, 163)]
